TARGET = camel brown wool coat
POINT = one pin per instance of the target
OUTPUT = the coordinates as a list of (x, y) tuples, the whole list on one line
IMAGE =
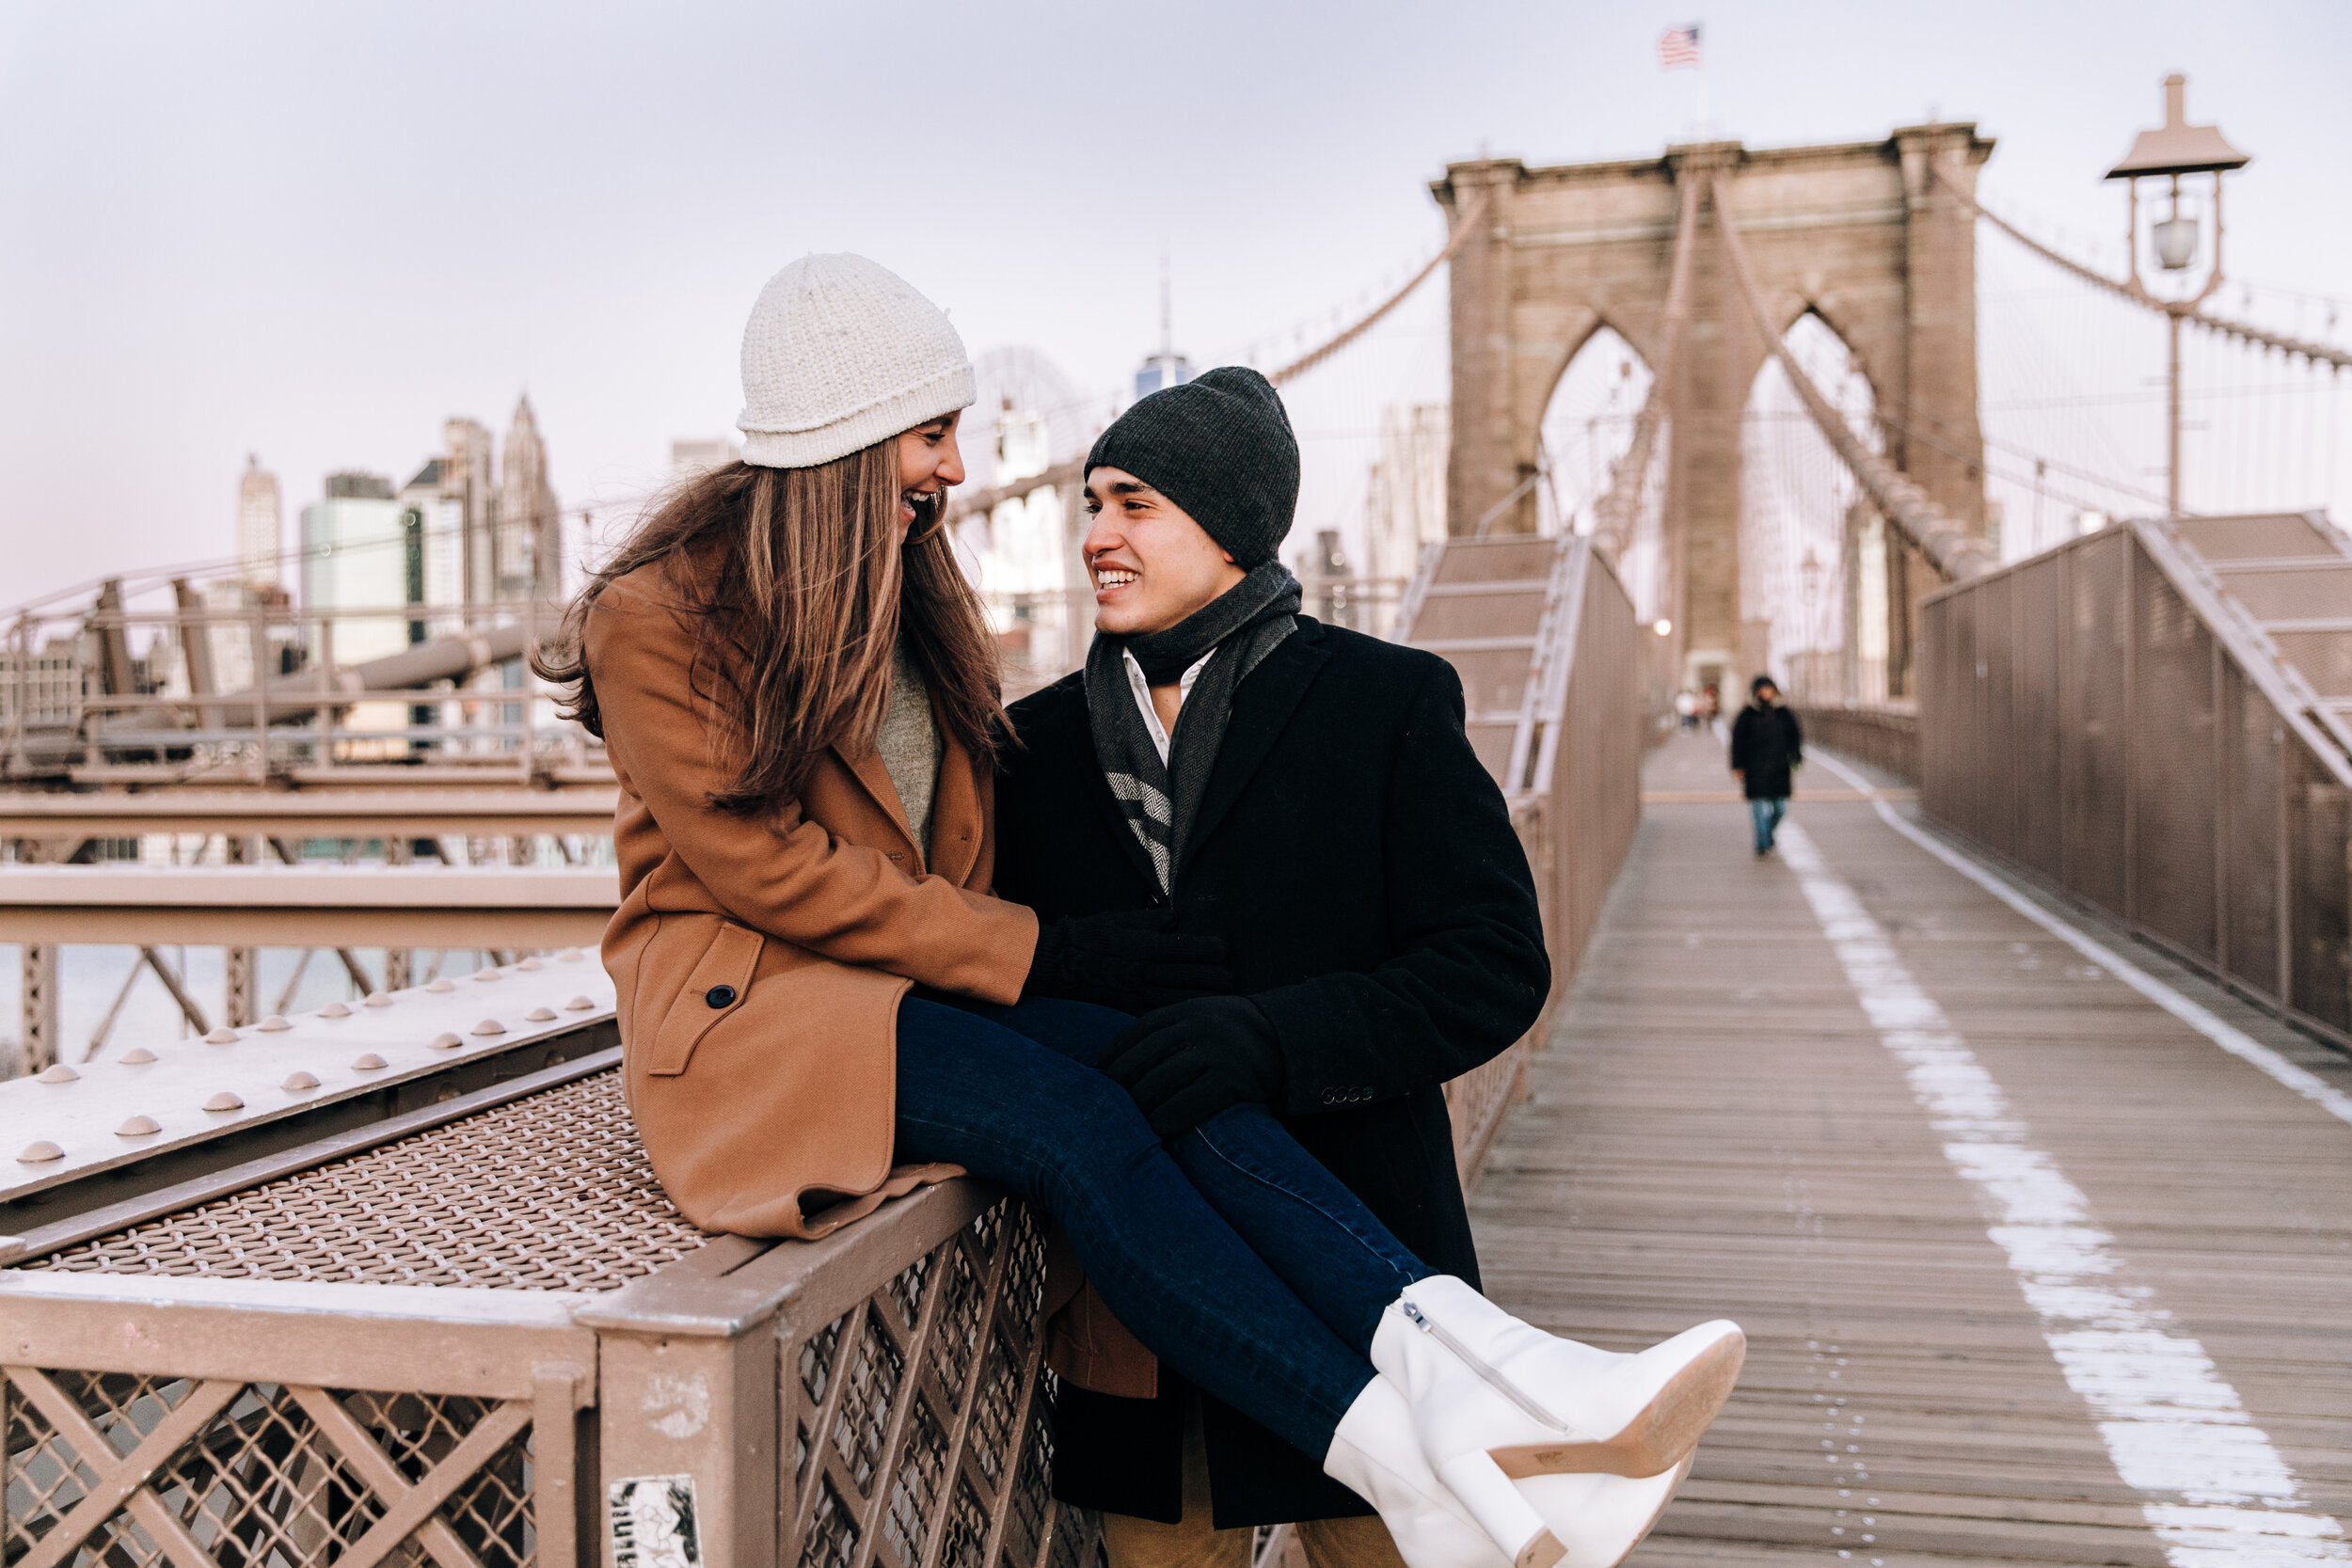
[(759, 961)]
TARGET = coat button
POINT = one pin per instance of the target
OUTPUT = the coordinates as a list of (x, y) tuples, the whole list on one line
[(719, 996)]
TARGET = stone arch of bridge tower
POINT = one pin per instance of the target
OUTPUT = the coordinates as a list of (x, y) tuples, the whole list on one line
[(1864, 233)]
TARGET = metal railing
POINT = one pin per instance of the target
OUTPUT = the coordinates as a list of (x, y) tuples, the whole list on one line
[(2128, 717), (462, 1323), (454, 1318), (1885, 736), (1543, 636)]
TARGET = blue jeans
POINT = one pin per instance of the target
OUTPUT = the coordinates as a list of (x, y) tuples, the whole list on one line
[(1231, 1252), (1766, 815)]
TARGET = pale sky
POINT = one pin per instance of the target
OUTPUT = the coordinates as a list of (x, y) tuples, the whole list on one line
[(315, 231)]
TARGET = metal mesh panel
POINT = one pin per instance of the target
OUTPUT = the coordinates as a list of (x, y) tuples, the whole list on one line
[(920, 1393), (2037, 736), (1513, 614), (550, 1193), (1494, 680), (1936, 780), (2252, 746), (2094, 777), (2173, 768), (2253, 538), (103, 1467), (2306, 594), (2187, 804), (1494, 559), (2320, 903), (1997, 799), (2324, 657)]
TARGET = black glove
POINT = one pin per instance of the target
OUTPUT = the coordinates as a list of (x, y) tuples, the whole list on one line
[(1184, 1064), (1134, 960)]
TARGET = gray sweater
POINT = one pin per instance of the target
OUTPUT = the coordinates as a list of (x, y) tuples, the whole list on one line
[(909, 743)]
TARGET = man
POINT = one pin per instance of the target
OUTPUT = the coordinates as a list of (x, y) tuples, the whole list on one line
[(1308, 795), (1765, 747)]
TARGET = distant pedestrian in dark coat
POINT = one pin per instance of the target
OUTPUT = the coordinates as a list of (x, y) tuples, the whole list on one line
[(1767, 745)]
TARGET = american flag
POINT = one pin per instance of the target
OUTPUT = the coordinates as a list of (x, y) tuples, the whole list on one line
[(1679, 46)]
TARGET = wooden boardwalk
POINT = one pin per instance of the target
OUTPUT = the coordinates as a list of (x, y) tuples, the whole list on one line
[(1921, 1202)]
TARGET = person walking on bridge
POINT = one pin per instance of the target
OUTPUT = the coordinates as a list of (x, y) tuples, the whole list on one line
[(823, 1003), (1767, 747)]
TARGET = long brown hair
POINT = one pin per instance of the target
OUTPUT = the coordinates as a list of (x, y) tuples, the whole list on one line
[(799, 589)]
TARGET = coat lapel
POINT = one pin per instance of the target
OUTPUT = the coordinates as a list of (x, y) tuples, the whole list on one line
[(1262, 705), (956, 823), (1077, 741), (870, 772)]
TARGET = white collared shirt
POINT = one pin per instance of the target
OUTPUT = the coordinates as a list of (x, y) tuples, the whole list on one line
[(1143, 695)]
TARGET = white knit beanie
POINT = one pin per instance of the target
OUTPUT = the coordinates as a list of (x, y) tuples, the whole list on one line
[(841, 353)]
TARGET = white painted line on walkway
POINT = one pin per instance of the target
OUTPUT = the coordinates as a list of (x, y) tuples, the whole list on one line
[(2230, 1039), (2216, 1491)]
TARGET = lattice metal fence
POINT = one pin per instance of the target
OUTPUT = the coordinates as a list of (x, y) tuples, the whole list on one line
[(128, 1469), (918, 1427), (2126, 717)]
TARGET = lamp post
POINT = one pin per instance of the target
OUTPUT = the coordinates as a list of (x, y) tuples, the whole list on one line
[(2174, 149)]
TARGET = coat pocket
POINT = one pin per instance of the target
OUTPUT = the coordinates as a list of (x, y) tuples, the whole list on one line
[(718, 988)]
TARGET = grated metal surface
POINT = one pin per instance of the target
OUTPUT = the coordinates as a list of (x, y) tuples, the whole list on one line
[(143, 1472), (550, 1193)]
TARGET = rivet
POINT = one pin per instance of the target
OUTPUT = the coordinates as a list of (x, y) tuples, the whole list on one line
[(139, 1055), (225, 1101), (61, 1073), (371, 1062), (378, 999), (223, 1035), (449, 1092), (296, 1082), (570, 955), (334, 1009), (489, 1026), (440, 987), (540, 1015), (532, 965), (138, 1126), (446, 1041), (578, 1005), (486, 975), (39, 1152), (273, 1024)]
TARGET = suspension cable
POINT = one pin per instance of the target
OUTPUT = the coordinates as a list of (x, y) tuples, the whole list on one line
[(2245, 332), (1949, 547)]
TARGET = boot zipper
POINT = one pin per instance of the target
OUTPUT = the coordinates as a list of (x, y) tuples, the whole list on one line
[(1492, 1378)]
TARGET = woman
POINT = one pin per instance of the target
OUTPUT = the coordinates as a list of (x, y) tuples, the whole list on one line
[(797, 689)]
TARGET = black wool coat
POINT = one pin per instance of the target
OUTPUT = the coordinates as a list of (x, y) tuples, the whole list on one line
[(1767, 744), (1360, 861)]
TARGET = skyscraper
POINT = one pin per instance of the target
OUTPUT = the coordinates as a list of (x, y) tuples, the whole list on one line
[(530, 531), (258, 523)]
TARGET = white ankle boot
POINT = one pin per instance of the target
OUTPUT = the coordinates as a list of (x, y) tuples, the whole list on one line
[(1496, 1400), (1376, 1454), (1602, 1518)]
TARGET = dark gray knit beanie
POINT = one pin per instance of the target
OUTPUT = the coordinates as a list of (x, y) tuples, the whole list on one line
[(1220, 447)]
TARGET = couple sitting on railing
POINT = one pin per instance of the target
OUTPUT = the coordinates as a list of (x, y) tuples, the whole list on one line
[(1182, 950)]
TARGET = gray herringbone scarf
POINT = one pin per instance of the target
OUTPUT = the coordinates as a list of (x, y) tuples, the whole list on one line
[(1161, 799)]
